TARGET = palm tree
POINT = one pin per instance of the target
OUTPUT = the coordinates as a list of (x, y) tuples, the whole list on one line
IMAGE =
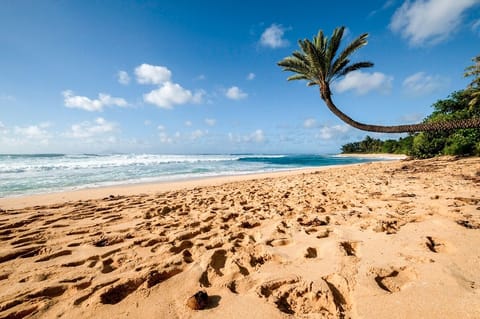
[(319, 64), (474, 87)]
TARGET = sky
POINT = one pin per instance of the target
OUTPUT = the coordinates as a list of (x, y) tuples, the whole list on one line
[(201, 77)]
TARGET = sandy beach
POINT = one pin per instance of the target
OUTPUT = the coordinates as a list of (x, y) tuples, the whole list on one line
[(393, 239)]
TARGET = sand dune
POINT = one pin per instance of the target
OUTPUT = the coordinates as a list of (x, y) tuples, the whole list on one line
[(379, 240)]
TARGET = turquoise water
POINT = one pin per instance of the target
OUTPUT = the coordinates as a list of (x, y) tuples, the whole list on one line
[(44, 173)]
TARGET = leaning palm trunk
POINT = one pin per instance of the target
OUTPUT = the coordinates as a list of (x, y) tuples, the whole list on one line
[(319, 64), (408, 128)]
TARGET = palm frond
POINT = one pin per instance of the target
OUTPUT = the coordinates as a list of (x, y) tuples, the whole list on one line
[(315, 59), (336, 70), (298, 77), (320, 41), (354, 67), (332, 47), (295, 65), (349, 50)]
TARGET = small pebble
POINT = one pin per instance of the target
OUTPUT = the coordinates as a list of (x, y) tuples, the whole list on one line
[(198, 301)]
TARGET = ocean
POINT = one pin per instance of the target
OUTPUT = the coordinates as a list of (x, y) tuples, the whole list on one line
[(46, 173)]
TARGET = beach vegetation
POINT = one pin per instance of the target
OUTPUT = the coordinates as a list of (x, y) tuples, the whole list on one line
[(461, 142), (320, 62)]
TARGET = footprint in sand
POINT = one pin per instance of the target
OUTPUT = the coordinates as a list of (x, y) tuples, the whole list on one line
[(393, 279), (349, 248), (294, 296), (214, 268)]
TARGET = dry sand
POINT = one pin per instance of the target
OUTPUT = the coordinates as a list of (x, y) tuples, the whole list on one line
[(379, 240)]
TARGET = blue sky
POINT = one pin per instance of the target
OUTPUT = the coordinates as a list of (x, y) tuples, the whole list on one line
[(201, 76)]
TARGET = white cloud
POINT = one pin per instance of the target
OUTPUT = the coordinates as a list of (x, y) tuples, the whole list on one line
[(332, 132), (421, 83), (90, 129), (258, 136), (36, 132), (147, 122), (385, 6), (272, 37), (164, 138), (310, 123), (429, 21), (188, 123), (3, 128), (170, 94), (476, 27), (198, 134), (152, 74), (251, 76), (161, 128), (201, 77), (210, 122), (235, 93), (123, 77), (364, 82), (87, 104), (411, 118)]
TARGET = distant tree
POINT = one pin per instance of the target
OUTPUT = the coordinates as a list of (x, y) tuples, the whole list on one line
[(319, 64), (473, 89)]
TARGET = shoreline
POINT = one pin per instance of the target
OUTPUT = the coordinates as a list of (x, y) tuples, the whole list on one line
[(374, 155), (149, 188), (125, 189)]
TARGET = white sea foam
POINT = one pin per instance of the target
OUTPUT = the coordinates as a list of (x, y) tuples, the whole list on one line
[(27, 174)]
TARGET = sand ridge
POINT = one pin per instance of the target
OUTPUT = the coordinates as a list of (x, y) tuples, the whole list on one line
[(378, 240)]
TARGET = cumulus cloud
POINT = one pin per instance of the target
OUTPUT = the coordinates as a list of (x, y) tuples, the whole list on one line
[(88, 129), (421, 83), (251, 76), (255, 137), (123, 77), (364, 82), (210, 122), (310, 123), (235, 93), (168, 94), (258, 137), (92, 105), (429, 21), (198, 134), (188, 123), (272, 37), (164, 138), (152, 74), (332, 132), (35, 132)]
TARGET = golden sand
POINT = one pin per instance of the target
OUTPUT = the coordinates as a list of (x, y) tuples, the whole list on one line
[(379, 240)]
